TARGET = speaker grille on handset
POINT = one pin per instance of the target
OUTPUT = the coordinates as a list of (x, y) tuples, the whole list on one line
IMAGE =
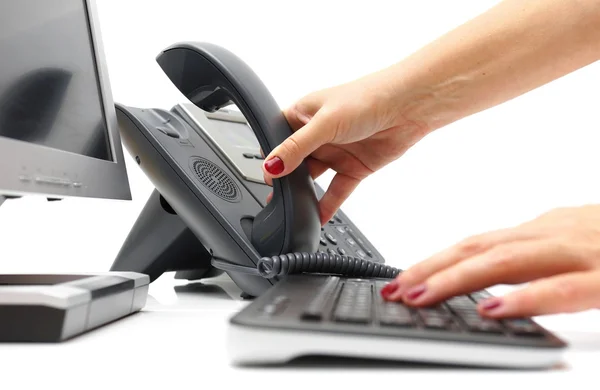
[(215, 179)]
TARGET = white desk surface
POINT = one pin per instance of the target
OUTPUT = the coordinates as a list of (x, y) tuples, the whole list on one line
[(179, 339)]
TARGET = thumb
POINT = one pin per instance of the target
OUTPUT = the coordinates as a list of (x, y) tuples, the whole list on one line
[(288, 155)]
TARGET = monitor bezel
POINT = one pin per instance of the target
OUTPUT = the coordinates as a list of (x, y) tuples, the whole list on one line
[(30, 169)]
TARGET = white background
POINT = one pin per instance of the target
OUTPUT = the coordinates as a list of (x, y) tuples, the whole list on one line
[(492, 170)]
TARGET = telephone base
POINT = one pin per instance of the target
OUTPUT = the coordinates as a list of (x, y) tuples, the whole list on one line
[(160, 242), (197, 274)]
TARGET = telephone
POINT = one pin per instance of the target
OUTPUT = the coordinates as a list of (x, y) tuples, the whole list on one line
[(208, 213)]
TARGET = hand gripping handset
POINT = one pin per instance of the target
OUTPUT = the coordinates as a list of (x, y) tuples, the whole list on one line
[(213, 78)]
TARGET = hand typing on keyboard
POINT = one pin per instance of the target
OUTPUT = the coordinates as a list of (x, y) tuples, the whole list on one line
[(559, 252)]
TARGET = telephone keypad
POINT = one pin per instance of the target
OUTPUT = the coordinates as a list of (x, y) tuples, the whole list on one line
[(343, 240)]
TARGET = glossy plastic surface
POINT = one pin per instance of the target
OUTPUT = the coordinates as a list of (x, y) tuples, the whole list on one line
[(212, 78)]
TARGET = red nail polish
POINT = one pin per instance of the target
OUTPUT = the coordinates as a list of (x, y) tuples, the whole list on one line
[(389, 289), (415, 292), (491, 304), (274, 166)]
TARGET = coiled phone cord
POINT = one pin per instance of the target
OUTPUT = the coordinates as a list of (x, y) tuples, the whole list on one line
[(299, 262)]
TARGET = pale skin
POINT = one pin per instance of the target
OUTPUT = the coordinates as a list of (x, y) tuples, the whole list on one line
[(359, 127)]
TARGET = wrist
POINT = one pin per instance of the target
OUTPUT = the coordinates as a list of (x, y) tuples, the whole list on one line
[(411, 100)]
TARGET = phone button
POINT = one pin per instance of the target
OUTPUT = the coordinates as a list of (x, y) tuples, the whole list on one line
[(168, 131), (248, 155), (331, 238)]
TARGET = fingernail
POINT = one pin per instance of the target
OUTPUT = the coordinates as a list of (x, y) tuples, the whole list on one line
[(389, 289), (274, 166), (415, 292), (491, 304)]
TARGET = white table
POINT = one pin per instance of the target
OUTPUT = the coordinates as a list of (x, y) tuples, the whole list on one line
[(179, 340)]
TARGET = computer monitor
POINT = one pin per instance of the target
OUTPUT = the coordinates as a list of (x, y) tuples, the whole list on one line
[(58, 126)]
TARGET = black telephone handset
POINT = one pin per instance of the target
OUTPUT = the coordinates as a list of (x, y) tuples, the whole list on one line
[(213, 78), (207, 214)]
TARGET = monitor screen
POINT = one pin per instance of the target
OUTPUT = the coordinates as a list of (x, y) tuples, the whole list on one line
[(49, 85)]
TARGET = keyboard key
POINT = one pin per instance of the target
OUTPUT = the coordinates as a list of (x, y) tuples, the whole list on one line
[(354, 304), (437, 322), (480, 296), (478, 324), (461, 305), (397, 321), (316, 309), (277, 306), (523, 327), (436, 317), (395, 314)]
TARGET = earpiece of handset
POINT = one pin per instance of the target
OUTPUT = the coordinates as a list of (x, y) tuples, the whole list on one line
[(211, 78)]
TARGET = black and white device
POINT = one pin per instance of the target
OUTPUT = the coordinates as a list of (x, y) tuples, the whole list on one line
[(59, 139), (335, 315)]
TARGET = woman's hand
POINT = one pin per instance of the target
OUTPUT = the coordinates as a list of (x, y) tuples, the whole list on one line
[(354, 129), (559, 251)]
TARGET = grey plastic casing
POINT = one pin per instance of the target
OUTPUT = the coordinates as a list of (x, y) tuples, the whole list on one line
[(161, 241)]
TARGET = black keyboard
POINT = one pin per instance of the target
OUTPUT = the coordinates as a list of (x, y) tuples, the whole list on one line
[(318, 307)]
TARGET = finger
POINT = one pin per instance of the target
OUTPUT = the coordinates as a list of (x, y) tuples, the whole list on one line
[(269, 197), (566, 293), (339, 190), (465, 249), (288, 155), (315, 168), (268, 180), (514, 262), (303, 110)]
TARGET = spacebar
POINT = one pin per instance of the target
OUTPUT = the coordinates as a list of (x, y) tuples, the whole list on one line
[(316, 308)]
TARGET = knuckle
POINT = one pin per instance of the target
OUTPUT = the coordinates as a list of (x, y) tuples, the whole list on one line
[(566, 291), (413, 274), (291, 147), (525, 300), (502, 257), (471, 245)]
